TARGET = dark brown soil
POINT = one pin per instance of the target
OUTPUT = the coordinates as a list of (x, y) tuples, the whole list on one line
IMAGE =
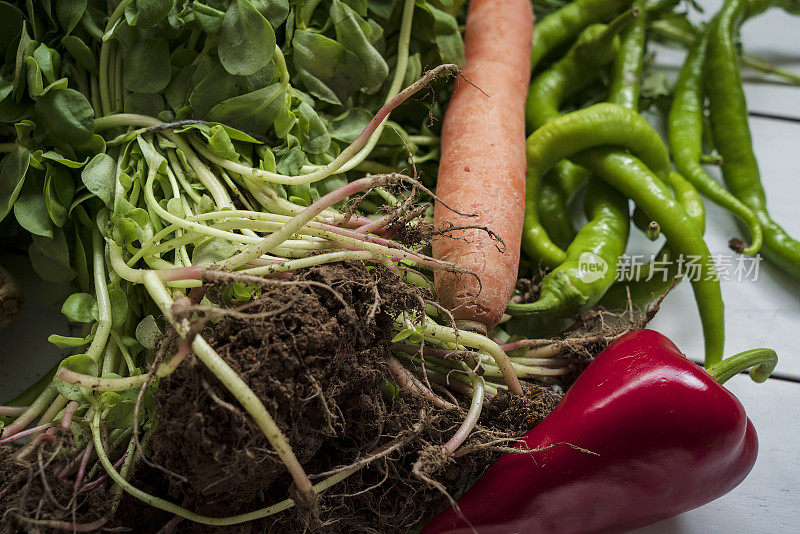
[(318, 367), (29, 496)]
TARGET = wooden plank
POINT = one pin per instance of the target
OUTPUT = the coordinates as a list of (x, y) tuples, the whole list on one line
[(764, 311), (769, 498)]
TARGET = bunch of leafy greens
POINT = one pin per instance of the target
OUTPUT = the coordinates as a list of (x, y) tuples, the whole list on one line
[(301, 77)]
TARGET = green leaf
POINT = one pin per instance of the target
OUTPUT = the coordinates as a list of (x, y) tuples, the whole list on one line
[(179, 89), (65, 342), (69, 13), (144, 104), (211, 250), (13, 169), (99, 177), (78, 308), (50, 258), (110, 398), (209, 18), (285, 120), (35, 79), (291, 158), (215, 87), (49, 62), (120, 415), (327, 69), (80, 363), (24, 49), (147, 332), (246, 39), (11, 19), (151, 12), (63, 160), (254, 112), (81, 263), (67, 114), (81, 53), (350, 34), (147, 66), (221, 145), (119, 307), (275, 11), (175, 207), (30, 210), (317, 138), (442, 28), (402, 334), (233, 133), (125, 231), (59, 191)]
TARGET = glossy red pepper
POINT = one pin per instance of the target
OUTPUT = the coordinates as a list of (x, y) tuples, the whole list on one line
[(664, 436)]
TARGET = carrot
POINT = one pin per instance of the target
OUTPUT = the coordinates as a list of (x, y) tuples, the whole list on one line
[(482, 165)]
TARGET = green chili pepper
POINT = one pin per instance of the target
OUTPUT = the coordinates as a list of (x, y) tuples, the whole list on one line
[(655, 278), (581, 65), (556, 29), (589, 269), (595, 48), (591, 259), (732, 133), (601, 124), (685, 128), (608, 124), (626, 73), (559, 186), (632, 178)]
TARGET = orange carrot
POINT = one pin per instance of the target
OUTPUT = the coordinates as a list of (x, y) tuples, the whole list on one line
[(482, 166)]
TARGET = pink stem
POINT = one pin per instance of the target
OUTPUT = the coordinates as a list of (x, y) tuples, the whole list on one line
[(407, 381), (82, 469), (101, 478), (24, 433), (181, 273), (69, 411)]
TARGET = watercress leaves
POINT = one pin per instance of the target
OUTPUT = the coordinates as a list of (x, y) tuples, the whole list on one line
[(50, 258), (79, 363), (275, 11), (146, 13), (13, 169), (252, 112), (327, 69), (147, 66), (78, 308), (59, 191), (99, 177), (246, 39), (67, 115), (81, 53), (69, 13), (354, 34), (30, 210)]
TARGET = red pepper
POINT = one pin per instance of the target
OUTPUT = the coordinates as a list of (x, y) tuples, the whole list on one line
[(643, 434)]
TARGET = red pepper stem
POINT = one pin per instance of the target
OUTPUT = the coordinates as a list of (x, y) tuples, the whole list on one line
[(761, 363)]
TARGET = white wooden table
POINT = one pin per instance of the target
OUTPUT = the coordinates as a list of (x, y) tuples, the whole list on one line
[(765, 312)]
